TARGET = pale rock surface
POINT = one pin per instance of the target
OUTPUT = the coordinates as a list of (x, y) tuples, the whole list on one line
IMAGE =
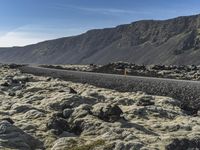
[(47, 116)]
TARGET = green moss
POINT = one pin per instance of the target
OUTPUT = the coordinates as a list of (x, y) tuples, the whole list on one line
[(198, 30), (109, 147), (72, 143), (89, 146)]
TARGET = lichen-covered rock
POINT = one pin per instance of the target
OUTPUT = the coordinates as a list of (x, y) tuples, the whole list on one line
[(33, 114), (121, 145), (78, 144), (81, 111), (5, 83), (126, 102), (45, 115), (12, 137), (67, 112), (58, 125), (184, 144), (22, 78), (19, 108), (72, 91), (65, 143), (145, 101), (71, 101), (107, 112), (11, 93)]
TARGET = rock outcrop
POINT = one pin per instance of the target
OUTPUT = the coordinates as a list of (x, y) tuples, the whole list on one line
[(44, 114)]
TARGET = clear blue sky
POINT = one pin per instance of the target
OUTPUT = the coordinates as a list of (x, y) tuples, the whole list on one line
[(24, 22)]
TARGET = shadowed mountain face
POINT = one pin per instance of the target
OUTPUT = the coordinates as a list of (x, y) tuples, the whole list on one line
[(174, 41)]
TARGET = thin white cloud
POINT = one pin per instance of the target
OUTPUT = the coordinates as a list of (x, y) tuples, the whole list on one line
[(18, 39), (112, 11), (31, 34)]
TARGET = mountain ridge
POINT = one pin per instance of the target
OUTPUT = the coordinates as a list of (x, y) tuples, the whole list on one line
[(172, 41)]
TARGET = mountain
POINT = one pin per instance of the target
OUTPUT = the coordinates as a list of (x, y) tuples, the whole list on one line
[(173, 41)]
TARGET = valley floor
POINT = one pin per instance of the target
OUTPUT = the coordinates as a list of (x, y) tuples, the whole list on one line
[(46, 113)]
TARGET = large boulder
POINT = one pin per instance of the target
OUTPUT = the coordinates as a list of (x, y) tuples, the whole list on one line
[(107, 112), (12, 137), (57, 125)]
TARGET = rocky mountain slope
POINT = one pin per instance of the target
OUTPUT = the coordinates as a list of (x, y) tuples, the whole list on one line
[(173, 41), (46, 113)]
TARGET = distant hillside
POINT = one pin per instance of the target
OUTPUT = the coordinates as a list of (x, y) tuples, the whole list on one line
[(174, 41)]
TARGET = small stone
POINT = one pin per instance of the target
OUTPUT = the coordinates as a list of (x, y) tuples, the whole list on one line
[(3, 126), (67, 112), (145, 101), (5, 84), (11, 93), (198, 113), (72, 91), (9, 120), (19, 108), (48, 79)]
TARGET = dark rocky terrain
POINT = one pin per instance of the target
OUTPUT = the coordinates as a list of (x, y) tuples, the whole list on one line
[(173, 41), (47, 113)]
